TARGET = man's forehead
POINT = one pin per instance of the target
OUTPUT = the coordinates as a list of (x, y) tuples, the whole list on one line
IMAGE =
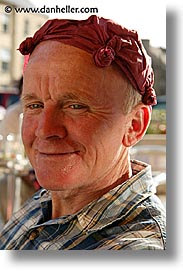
[(54, 56), (54, 50), (71, 70)]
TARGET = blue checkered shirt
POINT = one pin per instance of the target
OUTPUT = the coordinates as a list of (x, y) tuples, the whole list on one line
[(130, 217)]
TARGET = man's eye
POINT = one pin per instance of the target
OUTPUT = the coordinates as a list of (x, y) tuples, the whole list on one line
[(77, 106), (34, 106)]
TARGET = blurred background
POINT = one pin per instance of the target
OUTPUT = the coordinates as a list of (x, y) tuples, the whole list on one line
[(20, 19)]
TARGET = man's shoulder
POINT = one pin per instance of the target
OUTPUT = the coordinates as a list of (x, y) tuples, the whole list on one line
[(142, 229)]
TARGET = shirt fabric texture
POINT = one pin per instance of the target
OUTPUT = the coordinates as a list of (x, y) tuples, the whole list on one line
[(128, 217)]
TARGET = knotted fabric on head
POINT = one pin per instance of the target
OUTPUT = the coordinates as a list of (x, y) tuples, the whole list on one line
[(108, 42)]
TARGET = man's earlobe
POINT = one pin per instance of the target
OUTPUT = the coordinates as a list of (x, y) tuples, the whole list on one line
[(137, 126)]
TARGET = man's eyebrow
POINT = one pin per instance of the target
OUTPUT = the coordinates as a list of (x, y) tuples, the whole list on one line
[(61, 98), (83, 96), (66, 96), (29, 97)]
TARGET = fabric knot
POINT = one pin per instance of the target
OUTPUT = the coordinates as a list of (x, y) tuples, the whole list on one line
[(27, 46), (149, 97), (104, 56)]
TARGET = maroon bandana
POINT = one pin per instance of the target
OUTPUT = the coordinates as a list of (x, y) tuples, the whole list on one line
[(108, 42)]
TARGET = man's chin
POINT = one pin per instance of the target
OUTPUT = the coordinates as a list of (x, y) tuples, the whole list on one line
[(65, 179)]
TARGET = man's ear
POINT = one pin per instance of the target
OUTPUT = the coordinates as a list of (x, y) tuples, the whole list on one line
[(138, 123)]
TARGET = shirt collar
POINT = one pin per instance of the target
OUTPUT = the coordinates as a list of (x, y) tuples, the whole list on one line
[(118, 202)]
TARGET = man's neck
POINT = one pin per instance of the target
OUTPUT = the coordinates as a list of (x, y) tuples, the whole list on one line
[(68, 202)]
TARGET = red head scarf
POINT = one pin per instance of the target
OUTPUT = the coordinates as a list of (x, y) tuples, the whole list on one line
[(108, 42)]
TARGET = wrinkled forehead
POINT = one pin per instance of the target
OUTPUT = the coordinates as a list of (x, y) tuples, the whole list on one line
[(52, 58), (59, 54)]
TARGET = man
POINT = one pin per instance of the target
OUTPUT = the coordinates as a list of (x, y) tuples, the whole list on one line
[(87, 99)]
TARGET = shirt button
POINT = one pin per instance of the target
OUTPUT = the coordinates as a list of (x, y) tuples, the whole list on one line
[(34, 234)]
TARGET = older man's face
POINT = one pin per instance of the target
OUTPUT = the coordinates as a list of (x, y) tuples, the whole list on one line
[(73, 121)]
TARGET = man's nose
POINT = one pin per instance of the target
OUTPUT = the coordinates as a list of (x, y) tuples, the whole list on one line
[(51, 124)]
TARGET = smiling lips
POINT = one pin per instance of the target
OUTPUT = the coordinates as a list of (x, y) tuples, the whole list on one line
[(58, 153), (56, 150)]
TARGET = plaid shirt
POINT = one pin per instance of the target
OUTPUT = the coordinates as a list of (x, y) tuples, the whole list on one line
[(130, 216)]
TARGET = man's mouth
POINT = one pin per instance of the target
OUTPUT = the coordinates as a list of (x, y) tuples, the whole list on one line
[(58, 154)]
